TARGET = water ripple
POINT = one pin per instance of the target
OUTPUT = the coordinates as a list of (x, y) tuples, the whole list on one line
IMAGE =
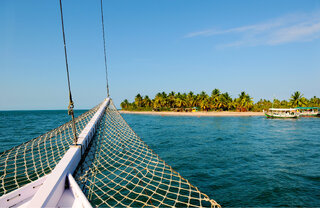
[(240, 161)]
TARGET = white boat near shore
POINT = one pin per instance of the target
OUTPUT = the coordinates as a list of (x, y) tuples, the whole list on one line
[(282, 113), (308, 111)]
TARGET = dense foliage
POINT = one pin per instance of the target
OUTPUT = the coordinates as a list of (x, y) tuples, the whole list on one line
[(216, 102)]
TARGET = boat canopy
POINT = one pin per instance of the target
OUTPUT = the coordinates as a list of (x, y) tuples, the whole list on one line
[(282, 109), (307, 108)]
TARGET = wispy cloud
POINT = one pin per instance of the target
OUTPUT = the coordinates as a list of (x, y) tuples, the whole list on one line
[(289, 28)]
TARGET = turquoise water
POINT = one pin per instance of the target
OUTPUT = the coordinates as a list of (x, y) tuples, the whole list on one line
[(238, 161)]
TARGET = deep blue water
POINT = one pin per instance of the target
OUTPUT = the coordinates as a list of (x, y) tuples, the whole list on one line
[(17, 127), (238, 161)]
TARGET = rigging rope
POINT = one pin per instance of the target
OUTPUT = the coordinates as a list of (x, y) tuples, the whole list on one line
[(104, 47), (71, 105)]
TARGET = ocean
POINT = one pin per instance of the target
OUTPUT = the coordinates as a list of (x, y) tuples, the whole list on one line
[(237, 161)]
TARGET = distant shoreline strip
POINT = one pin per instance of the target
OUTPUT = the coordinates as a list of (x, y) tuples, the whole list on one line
[(197, 114)]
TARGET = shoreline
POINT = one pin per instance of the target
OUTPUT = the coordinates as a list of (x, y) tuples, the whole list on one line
[(198, 114)]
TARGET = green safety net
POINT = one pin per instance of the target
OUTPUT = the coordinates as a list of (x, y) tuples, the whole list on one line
[(119, 169), (38, 157)]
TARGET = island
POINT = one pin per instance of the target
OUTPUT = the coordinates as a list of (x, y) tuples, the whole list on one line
[(216, 104)]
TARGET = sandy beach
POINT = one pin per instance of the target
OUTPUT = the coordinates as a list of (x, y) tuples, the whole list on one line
[(198, 114)]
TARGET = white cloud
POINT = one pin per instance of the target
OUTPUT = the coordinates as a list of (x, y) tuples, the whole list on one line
[(289, 28)]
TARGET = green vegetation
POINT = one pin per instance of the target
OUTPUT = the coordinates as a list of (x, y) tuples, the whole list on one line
[(216, 102)]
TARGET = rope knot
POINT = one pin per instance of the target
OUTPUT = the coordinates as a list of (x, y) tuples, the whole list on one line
[(70, 108)]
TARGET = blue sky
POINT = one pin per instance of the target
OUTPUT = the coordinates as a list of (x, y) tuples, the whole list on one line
[(266, 48)]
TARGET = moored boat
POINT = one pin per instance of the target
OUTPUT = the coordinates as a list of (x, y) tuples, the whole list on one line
[(281, 113), (308, 111)]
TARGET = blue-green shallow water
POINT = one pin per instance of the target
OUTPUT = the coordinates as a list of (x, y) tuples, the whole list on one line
[(238, 161)]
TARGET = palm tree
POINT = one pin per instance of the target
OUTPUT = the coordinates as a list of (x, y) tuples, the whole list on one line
[(284, 104), (146, 101), (276, 103), (297, 100), (244, 102), (191, 99), (164, 94), (164, 100), (196, 100), (180, 102), (215, 93), (263, 104), (138, 100), (224, 101), (215, 99), (314, 102), (205, 104), (203, 95), (200, 98), (158, 101), (171, 99), (125, 104), (226, 96)]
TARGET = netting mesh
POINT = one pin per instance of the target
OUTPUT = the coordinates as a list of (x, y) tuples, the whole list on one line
[(38, 157), (119, 169)]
